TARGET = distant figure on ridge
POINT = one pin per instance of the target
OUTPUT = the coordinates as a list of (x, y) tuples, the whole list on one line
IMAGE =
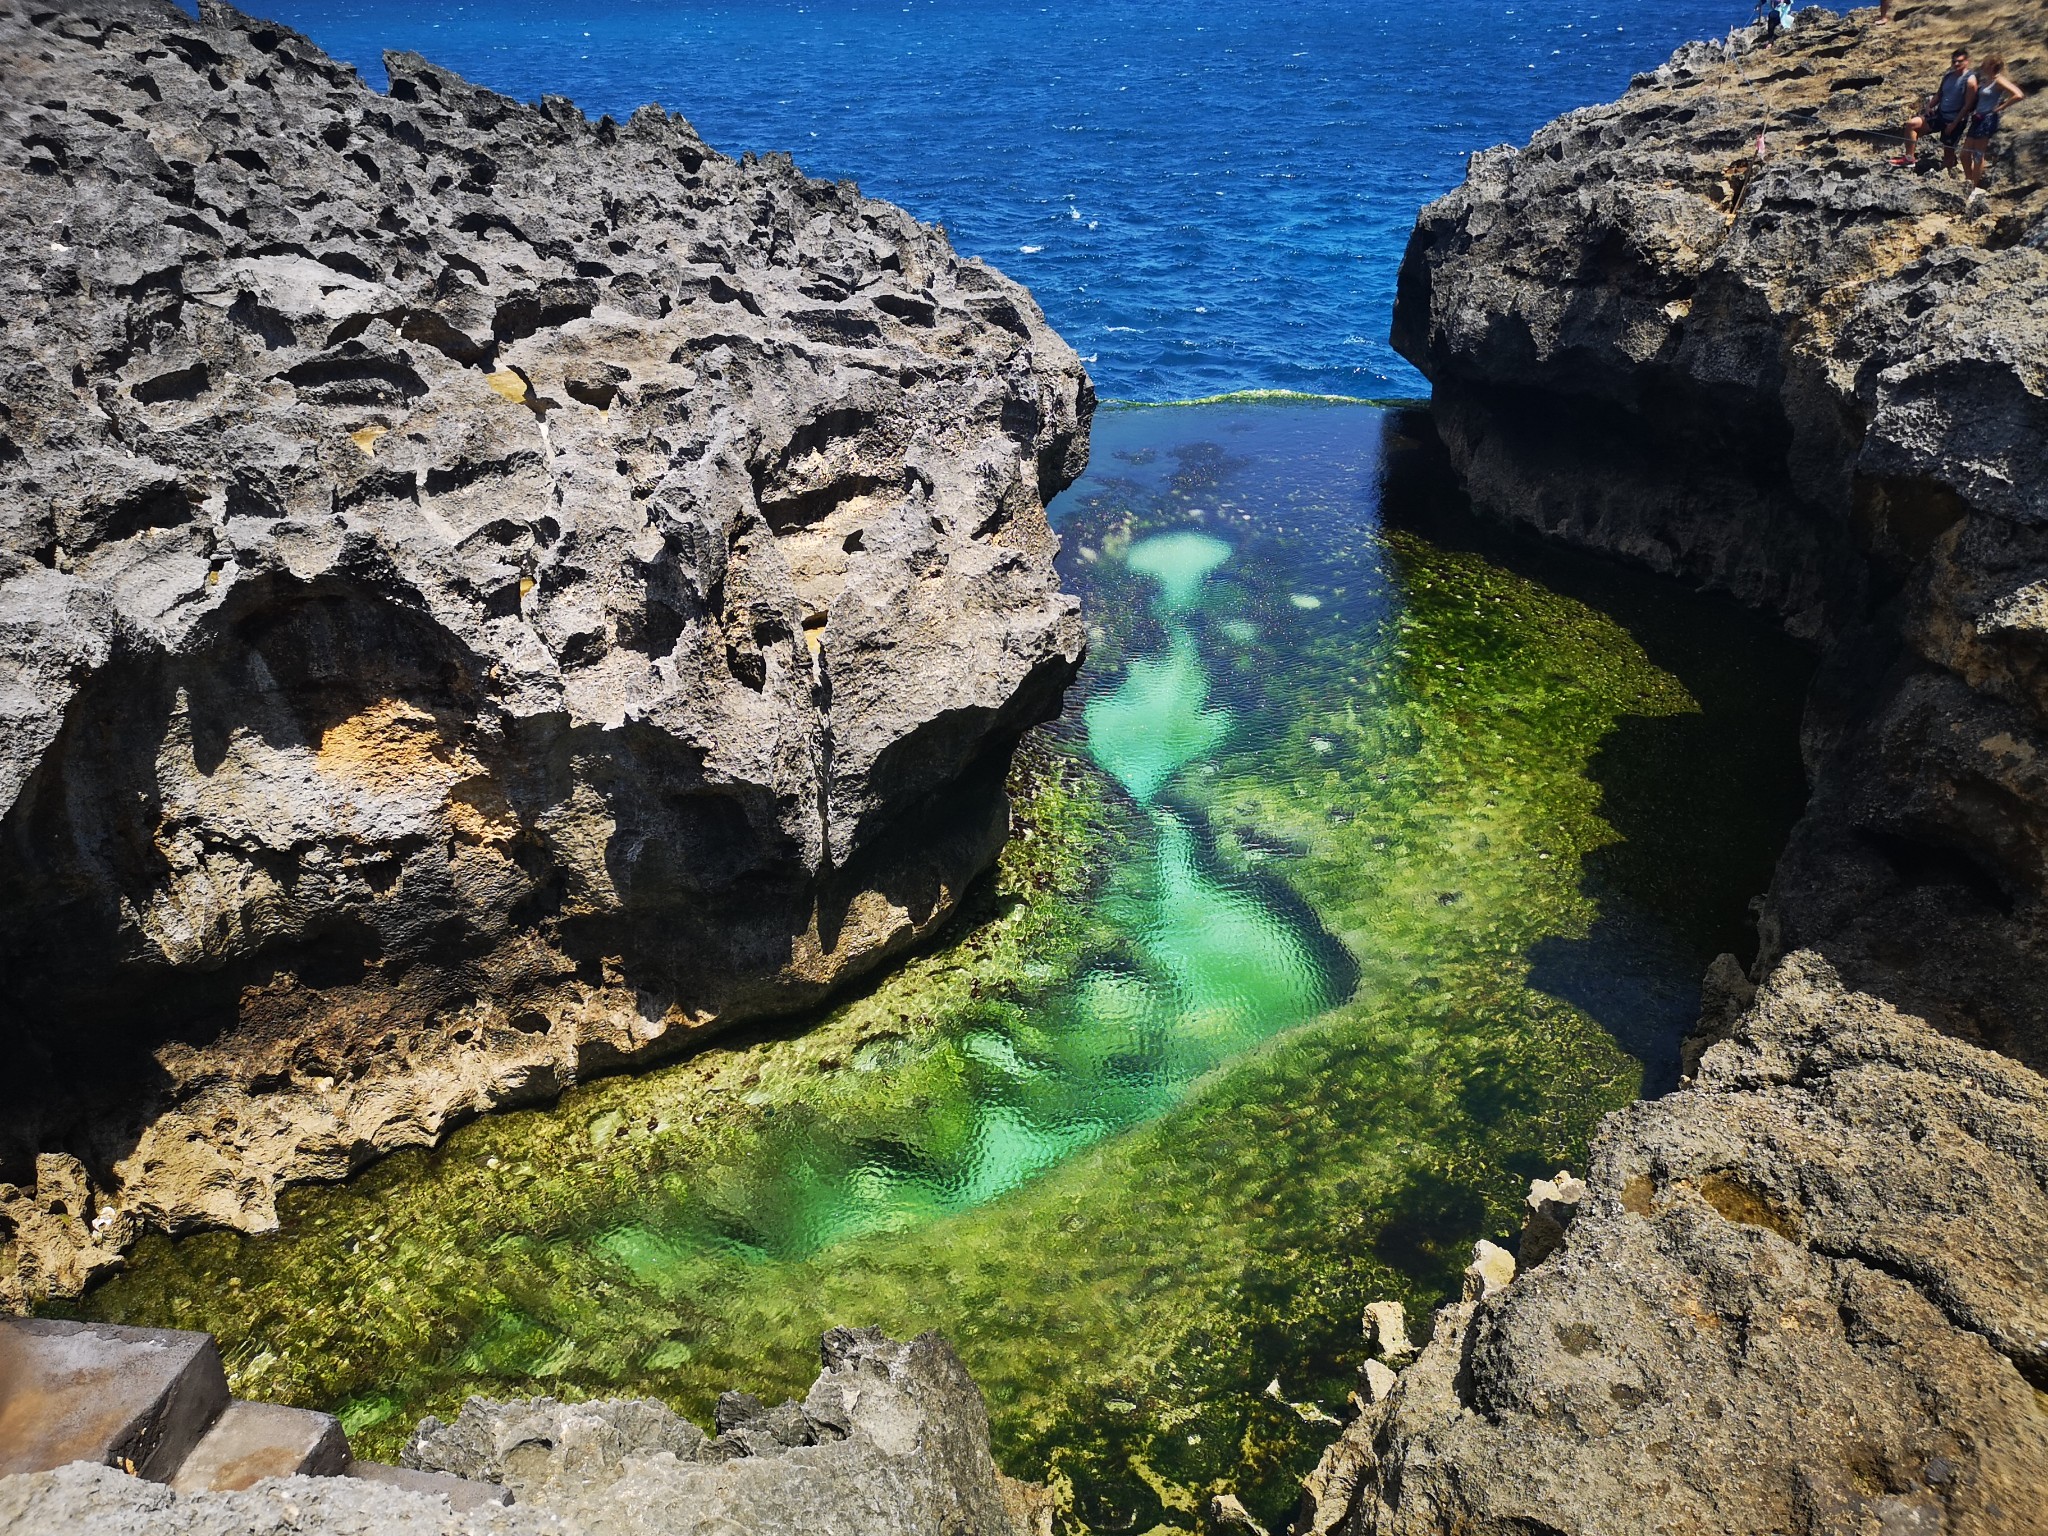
[(1995, 93), (1947, 112)]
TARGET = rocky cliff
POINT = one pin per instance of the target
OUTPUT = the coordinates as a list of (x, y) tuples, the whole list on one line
[(1819, 382), (485, 596), (1710, 328), (1803, 1294)]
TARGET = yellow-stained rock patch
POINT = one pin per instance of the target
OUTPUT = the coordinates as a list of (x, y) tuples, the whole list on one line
[(393, 745)]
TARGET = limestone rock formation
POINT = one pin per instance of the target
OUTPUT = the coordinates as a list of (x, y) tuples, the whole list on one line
[(485, 596), (1805, 1292), (891, 1441), (892, 1438)]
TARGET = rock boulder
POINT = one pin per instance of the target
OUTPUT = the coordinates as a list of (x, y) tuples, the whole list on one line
[(1807, 1292), (891, 1441)]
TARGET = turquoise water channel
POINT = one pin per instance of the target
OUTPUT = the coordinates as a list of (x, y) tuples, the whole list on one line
[(1374, 858)]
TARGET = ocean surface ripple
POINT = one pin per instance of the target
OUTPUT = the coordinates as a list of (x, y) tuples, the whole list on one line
[(1205, 198)]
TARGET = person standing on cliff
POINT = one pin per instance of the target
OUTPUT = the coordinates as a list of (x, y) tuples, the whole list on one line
[(1994, 94), (1947, 112)]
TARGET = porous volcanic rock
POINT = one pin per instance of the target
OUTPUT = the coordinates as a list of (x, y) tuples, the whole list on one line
[(485, 596), (1807, 1292), (891, 1441)]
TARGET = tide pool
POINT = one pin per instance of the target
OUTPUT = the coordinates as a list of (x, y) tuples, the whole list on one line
[(1372, 861)]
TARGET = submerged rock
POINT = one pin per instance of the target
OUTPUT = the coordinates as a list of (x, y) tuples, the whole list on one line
[(487, 597)]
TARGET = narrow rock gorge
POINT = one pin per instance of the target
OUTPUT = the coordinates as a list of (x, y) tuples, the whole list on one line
[(489, 597), (1711, 329)]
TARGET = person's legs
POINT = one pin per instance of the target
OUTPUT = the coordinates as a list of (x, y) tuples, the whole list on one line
[(1977, 149), (1915, 126)]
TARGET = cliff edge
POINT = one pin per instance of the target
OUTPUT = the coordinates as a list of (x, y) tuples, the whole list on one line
[(1709, 327), (485, 596), (1819, 382)]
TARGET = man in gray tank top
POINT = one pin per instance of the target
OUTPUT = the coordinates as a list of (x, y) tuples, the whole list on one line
[(1946, 112)]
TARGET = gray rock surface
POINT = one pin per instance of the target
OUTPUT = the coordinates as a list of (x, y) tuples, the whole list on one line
[(485, 597), (1807, 1292), (891, 1441)]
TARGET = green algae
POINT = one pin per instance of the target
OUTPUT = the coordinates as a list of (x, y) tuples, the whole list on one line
[(1290, 397), (1333, 923)]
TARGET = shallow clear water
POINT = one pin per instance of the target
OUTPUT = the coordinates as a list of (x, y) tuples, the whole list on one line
[(1371, 862), (1204, 198)]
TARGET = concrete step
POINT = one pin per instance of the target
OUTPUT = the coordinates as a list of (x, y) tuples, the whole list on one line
[(458, 1491), (137, 1398), (251, 1441)]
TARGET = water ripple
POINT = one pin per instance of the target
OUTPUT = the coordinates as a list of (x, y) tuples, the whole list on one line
[(1203, 198)]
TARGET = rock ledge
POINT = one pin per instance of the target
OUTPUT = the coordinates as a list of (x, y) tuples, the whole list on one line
[(1805, 1292)]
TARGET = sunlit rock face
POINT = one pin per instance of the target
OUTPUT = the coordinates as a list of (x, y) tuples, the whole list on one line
[(486, 595), (1711, 328)]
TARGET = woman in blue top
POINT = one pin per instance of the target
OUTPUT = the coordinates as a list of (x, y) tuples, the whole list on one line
[(1995, 92)]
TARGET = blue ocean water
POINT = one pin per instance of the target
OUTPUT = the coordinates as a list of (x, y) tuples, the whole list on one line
[(1204, 198)]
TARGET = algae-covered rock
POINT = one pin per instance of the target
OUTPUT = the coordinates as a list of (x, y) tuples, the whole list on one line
[(485, 596)]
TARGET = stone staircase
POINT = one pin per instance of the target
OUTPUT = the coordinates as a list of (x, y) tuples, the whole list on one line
[(155, 1403)]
